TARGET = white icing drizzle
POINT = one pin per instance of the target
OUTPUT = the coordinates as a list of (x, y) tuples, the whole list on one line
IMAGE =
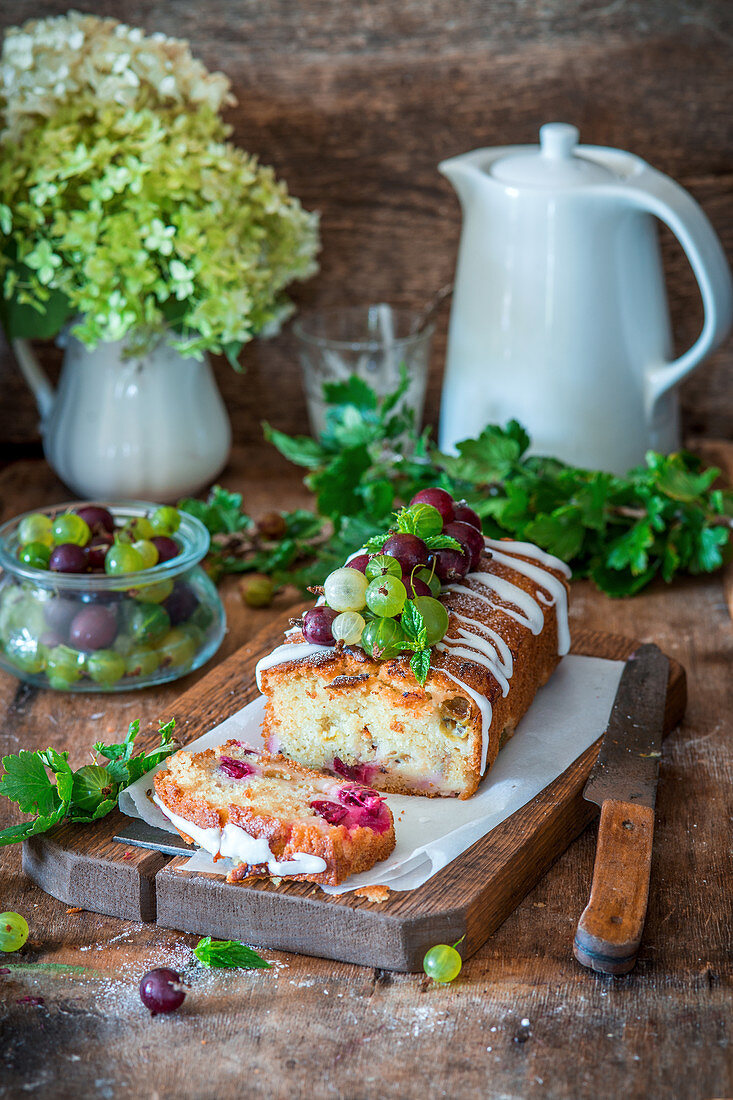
[(234, 843), (545, 580), (528, 612), (529, 550), (504, 657), (290, 651), (483, 653)]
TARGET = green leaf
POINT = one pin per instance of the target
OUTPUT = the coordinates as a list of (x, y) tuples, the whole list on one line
[(26, 782), (561, 533), (708, 554), (413, 625), (677, 480), (420, 665), (301, 449), (388, 403), (80, 818), (491, 457), (615, 582), (228, 954), (232, 350), (378, 497), (42, 321), (354, 392), (16, 833), (336, 485), (632, 548), (375, 543), (442, 542)]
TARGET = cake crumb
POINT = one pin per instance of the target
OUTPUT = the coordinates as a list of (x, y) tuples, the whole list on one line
[(75, 909), (377, 894)]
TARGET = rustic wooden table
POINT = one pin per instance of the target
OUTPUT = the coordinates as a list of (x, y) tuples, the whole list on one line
[(523, 1020)]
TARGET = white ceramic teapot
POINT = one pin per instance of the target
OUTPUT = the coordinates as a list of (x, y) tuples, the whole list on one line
[(559, 314)]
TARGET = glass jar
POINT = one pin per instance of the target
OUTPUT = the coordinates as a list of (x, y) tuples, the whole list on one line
[(93, 632)]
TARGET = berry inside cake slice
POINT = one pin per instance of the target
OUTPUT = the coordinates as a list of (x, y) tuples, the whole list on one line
[(273, 817)]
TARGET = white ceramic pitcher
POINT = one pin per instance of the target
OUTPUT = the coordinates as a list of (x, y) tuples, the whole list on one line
[(118, 428), (559, 314)]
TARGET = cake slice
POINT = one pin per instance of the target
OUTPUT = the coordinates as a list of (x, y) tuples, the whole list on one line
[(337, 708), (273, 817)]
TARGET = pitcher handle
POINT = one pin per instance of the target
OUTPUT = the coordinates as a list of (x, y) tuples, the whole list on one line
[(35, 376), (661, 196)]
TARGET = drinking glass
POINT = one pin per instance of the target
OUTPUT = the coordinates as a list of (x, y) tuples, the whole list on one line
[(372, 342)]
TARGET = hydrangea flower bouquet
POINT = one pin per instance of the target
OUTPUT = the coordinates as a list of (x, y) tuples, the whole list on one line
[(122, 201), (127, 215)]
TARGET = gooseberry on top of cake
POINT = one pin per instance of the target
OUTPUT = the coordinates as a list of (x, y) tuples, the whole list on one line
[(397, 577)]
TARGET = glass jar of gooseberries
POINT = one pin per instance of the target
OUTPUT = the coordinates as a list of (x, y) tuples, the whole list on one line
[(99, 597)]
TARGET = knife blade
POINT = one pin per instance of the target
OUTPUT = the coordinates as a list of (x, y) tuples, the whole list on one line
[(141, 835), (623, 783)]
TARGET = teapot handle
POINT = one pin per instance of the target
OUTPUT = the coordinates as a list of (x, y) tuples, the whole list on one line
[(35, 376), (669, 202)]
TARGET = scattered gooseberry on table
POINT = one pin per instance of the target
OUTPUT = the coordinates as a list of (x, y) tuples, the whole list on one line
[(13, 931), (162, 991), (442, 963)]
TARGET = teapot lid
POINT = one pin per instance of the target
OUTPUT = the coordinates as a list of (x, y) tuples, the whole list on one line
[(554, 164)]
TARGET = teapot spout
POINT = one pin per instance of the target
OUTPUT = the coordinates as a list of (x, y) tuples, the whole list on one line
[(466, 173)]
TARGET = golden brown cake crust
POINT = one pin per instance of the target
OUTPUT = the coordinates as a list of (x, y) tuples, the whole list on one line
[(345, 851), (534, 657)]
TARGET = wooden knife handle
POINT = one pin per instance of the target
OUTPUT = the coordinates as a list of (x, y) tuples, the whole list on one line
[(609, 931)]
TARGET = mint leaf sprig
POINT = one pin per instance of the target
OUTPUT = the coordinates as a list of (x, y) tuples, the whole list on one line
[(414, 629), (81, 796), (229, 954)]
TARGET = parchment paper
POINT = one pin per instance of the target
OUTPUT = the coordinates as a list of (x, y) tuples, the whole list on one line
[(567, 716)]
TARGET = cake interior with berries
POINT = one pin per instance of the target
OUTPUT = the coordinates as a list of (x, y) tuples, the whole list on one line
[(272, 817), (421, 657)]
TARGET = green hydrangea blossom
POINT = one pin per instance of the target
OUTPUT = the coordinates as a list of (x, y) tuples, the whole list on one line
[(123, 204)]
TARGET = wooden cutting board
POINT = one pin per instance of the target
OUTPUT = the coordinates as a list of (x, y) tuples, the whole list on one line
[(85, 866)]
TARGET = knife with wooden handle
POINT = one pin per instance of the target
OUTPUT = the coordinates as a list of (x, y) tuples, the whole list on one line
[(624, 784)]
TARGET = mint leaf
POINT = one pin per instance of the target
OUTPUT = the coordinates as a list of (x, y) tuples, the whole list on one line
[(229, 954), (420, 665), (413, 625), (442, 542), (375, 543), (26, 782)]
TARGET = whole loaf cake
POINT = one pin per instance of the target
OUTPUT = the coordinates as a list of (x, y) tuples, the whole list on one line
[(337, 708)]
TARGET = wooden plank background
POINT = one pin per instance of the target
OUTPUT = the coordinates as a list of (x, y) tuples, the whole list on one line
[(355, 103)]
